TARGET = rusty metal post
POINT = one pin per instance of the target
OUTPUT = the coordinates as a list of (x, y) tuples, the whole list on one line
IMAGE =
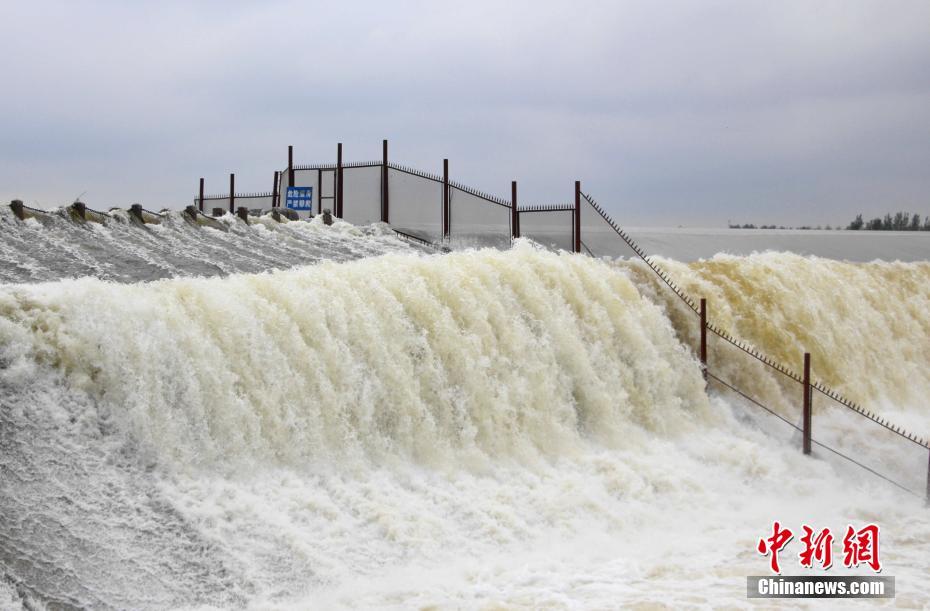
[(704, 335), (80, 209), (445, 198), (17, 206), (275, 192), (232, 193), (577, 216), (290, 166), (339, 181), (928, 483), (385, 200), (200, 197), (243, 213), (807, 403), (514, 214)]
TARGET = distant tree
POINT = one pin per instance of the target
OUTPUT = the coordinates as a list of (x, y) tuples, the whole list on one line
[(857, 223), (901, 221), (915, 222), (888, 222), (926, 226), (874, 225), (828, 228)]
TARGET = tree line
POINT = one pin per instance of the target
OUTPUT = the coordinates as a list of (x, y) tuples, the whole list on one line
[(901, 221)]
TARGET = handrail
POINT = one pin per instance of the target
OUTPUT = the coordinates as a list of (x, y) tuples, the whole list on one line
[(476, 192), (547, 208), (814, 441), (238, 196), (642, 255), (417, 239), (39, 210), (414, 171), (333, 166), (871, 416), (100, 212), (752, 351), (500, 201)]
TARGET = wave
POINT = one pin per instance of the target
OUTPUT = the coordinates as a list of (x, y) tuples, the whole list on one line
[(866, 325), (474, 353)]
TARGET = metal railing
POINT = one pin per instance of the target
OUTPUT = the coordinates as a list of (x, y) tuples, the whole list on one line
[(771, 363)]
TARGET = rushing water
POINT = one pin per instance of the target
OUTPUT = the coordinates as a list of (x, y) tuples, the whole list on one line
[(393, 428)]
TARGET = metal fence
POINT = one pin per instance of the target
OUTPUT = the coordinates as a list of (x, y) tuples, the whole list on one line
[(430, 207)]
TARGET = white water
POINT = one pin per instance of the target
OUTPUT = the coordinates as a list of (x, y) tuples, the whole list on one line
[(482, 429), (55, 246)]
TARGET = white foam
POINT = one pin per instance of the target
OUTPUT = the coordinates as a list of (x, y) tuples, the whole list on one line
[(479, 429)]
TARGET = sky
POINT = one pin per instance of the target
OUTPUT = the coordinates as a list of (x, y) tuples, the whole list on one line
[(670, 113)]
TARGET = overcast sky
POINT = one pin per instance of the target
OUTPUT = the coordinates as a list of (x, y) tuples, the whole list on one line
[(669, 113)]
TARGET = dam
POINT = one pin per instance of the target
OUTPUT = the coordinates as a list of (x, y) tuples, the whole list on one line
[(232, 409)]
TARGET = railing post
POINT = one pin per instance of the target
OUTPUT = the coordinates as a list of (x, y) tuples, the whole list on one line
[(807, 403), (339, 180), (274, 190), (200, 197), (576, 230), (385, 201), (514, 214), (290, 166), (445, 198), (232, 193), (704, 336), (17, 206)]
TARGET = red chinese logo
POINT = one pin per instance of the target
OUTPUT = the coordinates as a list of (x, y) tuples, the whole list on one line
[(774, 544), (859, 547), (819, 548)]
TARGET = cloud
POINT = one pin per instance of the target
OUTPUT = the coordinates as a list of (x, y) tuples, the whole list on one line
[(671, 113)]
